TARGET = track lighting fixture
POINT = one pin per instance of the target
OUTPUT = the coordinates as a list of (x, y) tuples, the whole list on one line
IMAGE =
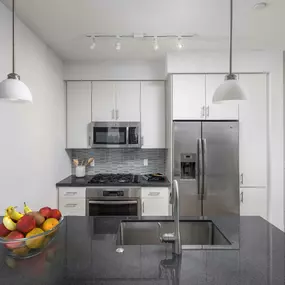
[(179, 43), (93, 44), (155, 43), (118, 44)]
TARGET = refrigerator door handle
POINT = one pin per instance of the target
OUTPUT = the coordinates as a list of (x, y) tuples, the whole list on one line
[(199, 168), (204, 168)]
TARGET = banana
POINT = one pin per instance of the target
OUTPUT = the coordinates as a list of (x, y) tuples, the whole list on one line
[(26, 208), (9, 223), (16, 216)]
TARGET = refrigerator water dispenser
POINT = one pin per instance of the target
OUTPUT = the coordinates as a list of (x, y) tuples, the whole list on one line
[(188, 165)]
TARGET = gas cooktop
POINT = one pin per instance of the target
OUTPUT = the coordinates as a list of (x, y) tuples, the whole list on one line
[(114, 179)]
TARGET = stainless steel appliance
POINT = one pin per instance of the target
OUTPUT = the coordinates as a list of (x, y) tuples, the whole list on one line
[(115, 134), (113, 201), (114, 179), (206, 167)]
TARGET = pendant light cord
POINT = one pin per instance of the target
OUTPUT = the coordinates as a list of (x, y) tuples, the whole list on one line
[(13, 35), (231, 35)]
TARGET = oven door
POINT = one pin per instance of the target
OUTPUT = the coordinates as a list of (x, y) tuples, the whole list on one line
[(108, 135), (113, 208)]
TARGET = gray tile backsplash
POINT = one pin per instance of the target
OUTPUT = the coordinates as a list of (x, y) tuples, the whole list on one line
[(122, 160)]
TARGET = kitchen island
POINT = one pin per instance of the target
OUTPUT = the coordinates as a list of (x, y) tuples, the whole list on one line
[(85, 252)]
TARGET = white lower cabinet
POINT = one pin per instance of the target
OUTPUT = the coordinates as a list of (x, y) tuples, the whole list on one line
[(72, 201), (155, 201), (253, 202)]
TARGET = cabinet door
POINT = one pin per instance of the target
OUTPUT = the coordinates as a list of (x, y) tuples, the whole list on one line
[(154, 207), (189, 97), (103, 101), (225, 111), (253, 131), (253, 202), (128, 101), (78, 114), (153, 114)]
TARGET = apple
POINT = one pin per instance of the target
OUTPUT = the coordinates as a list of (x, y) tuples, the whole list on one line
[(56, 214), (45, 212), (26, 224), (11, 236), (3, 230)]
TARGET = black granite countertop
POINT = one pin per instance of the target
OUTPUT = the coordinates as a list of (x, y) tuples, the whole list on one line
[(84, 252), (73, 181)]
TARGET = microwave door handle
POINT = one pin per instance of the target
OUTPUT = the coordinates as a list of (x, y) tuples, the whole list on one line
[(127, 135)]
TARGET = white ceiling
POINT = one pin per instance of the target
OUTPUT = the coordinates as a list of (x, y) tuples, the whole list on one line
[(62, 24)]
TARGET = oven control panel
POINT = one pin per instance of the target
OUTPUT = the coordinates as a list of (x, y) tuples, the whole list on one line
[(113, 193)]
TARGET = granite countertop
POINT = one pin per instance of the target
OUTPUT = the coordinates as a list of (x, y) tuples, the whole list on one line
[(73, 181), (84, 252)]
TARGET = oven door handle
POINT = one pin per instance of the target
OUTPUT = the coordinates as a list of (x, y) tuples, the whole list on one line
[(113, 202)]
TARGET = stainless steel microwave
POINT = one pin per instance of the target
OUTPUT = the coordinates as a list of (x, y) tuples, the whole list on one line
[(115, 135)]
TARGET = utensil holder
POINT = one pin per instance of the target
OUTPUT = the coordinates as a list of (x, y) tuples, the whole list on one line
[(80, 171)]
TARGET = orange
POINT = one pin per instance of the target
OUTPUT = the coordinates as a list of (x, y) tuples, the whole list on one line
[(49, 224)]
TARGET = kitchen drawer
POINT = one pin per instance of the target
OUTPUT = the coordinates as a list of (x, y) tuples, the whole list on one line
[(72, 192), (155, 192), (72, 207)]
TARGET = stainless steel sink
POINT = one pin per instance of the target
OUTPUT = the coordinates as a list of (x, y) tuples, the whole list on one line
[(194, 234)]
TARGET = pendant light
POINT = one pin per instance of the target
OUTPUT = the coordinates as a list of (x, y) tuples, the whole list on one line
[(12, 88), (230, 90)]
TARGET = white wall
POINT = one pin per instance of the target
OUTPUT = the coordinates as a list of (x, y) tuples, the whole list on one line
[(32, 143), (258, 61), (115, 70)]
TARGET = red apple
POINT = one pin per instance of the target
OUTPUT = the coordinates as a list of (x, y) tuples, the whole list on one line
[(3, 231), (46, 212), (11, 236), (55, 213), (26, 224)]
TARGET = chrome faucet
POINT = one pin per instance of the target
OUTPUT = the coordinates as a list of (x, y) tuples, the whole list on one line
[(174, 238)]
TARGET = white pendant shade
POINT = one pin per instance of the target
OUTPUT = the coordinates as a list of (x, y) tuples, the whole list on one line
[(15, 90), (230, 90)]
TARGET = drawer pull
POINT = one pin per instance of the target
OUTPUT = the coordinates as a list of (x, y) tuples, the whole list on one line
[(153, 193), (70, 193), (70, 205)]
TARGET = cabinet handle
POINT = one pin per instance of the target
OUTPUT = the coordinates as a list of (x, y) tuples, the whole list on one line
[(143, 207), (89, 141), (113, 114), (203, 112), (70, 205), (153, 193), (117, 114), (142, 141), (241, 196), (207, 111), (70, 193), (241, 179)]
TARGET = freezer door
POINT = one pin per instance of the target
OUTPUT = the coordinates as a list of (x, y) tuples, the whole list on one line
[(187, 166), (220, 150)]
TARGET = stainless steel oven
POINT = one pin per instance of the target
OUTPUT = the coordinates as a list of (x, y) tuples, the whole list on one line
[(113, 201), (115, 134)]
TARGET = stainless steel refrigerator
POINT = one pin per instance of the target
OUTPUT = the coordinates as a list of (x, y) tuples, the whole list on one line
[(206, 166)]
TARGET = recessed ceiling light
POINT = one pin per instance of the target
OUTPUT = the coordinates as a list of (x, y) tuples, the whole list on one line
[(260, 6)]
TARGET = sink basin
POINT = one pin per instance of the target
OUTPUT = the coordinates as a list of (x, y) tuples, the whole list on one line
[(194, 234)]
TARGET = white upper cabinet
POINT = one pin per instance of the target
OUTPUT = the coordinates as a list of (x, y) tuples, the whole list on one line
[(103, 101), (128, 101), (253, 131), (78, 113), (153, 114), (188, 97), (226, 111), (115, 101)]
